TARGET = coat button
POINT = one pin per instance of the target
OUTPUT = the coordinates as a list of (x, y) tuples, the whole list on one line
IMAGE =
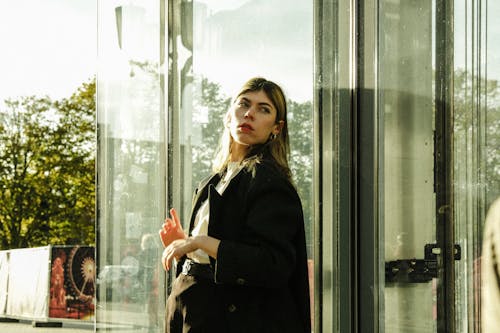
[(240, 281), (231, 308)]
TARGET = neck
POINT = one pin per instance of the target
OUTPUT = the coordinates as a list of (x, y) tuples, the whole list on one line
[(238, 152)]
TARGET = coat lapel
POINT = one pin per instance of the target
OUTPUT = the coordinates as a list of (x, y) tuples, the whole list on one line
[(200, 195)]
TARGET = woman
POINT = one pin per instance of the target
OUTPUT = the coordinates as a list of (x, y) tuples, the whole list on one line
[(243, 267), (490, 270)]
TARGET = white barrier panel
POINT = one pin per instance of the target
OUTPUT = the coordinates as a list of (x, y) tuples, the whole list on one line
[(28, 283), (48, 282), (4, 276)]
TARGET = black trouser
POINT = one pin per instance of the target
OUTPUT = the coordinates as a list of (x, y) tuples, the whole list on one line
[(193, 307)]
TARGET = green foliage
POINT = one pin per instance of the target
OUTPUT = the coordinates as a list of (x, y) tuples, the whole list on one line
[(47, 168), (477, 134), (209, 108), (300, 127)]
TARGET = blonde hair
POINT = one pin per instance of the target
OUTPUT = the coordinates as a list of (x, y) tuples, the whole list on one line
[(277, 148)]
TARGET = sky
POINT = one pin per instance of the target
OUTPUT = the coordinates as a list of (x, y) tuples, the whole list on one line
[(235, 43), (48, 47)]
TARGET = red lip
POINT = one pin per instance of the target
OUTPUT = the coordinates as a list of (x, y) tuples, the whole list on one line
[(245, 127)]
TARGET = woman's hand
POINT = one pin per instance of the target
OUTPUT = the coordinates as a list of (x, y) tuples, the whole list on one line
[(180, 247), (176, 250), (171, 229)]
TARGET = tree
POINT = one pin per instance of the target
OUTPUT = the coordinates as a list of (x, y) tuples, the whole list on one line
[(300, 127), (477, 134), (209, 107), (47, 168)]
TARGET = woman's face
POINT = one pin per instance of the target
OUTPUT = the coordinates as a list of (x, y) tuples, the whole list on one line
[(252, 119)]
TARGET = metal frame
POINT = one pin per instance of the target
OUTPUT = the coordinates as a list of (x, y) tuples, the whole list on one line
[(369, 173), (335, 68), (443, 166)]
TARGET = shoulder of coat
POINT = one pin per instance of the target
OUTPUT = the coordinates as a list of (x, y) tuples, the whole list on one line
[(265, 174)]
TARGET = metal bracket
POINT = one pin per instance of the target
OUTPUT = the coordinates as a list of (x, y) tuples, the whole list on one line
[(417, 270)]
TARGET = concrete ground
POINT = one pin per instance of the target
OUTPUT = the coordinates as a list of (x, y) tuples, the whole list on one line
[(120, 317), (25, 326)]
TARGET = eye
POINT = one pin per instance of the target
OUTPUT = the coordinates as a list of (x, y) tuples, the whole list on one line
[(243, 104)]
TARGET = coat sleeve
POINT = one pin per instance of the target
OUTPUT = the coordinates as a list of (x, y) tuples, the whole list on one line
[(266, 254)]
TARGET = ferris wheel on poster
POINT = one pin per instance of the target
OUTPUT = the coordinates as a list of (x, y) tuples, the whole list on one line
[(81, 272)]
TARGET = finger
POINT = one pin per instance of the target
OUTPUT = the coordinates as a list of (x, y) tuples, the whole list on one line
[(168, 253), (175, 217), (163, 260), (168, 223), (162, 234), (170, 258), (166, 229), (174, 253), (167, 263)]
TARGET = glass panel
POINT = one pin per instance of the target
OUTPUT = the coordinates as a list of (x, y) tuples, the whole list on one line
[(333, 168), (223, 60), (218, 46), (477, 138), (411, 54), (131, 166), (405, 97)]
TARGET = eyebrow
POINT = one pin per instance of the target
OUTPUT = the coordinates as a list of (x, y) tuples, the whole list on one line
[(262, 103)]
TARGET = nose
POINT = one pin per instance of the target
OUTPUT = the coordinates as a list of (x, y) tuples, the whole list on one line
[(249, 113)]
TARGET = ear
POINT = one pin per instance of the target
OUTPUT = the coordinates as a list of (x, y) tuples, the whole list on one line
[(278, 127)]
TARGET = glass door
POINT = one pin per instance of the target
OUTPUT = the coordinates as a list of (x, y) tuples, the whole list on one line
[(406, 102), (130, 173), (213, 48), (437, 123), (476, 98)]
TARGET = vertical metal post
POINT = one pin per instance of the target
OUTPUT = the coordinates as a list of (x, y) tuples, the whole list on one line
[(368, 138), (335, 297), (443, 166), (325, 250)]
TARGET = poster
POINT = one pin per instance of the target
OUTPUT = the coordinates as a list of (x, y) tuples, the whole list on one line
[(72, 282)]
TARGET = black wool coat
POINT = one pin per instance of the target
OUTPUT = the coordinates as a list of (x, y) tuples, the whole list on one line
[(261, 266)]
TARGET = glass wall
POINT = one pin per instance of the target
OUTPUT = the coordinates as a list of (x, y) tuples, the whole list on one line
[(216, 46), (438, 114), (158, 133), (131, 166), (405, 100), (477, 142), (394, 125), (231, 42), (334, 86)]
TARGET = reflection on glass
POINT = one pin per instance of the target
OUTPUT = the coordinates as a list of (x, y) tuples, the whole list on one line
[(406, 101), (236, 40), (407, 73), (130, 167), (231, 42), (214, 47), (477, 138)]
